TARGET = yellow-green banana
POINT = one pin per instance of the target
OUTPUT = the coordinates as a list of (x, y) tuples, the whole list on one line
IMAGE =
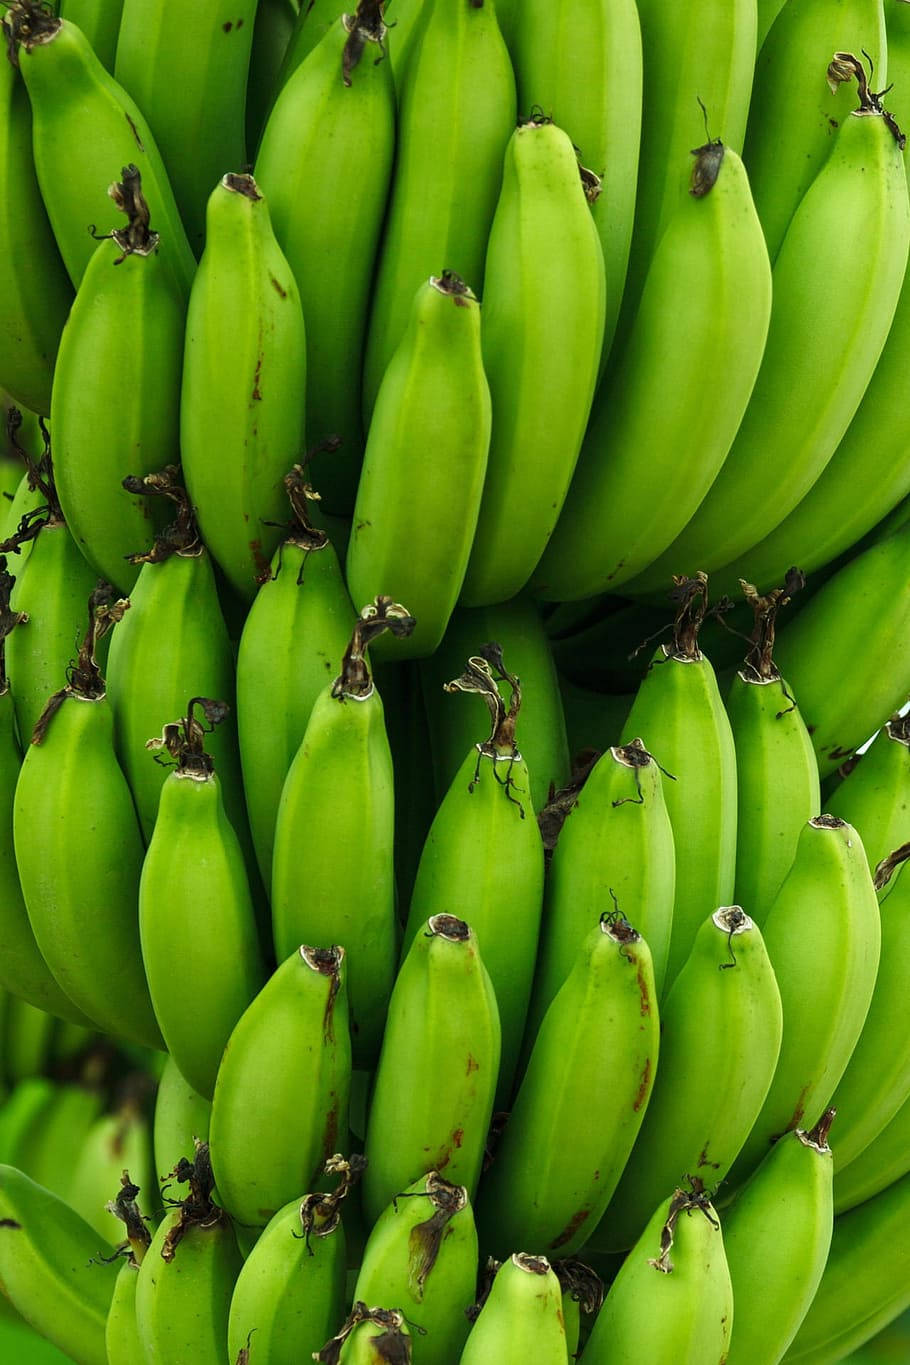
[(23, 1112), (121, 1332), (875, 794), (59, 1136), (181, 1115), (521, 1318), (118, 1140), (29, 1033), (884, 1161)]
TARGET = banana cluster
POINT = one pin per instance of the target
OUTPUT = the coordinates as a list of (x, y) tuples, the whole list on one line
[(338, 1015)]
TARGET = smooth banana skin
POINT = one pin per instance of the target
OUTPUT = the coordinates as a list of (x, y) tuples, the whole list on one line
[(118, 416), (521, 1318), (543, 320), (884, 1161), (51, 1268), (312, 22), (616, 843), (24, 1108), (296, 630), (776, 772), (768, 10), (121, 1332), (794, 117), (369, 1336), (197, 920), (680, 717), (333, 125), (117, 1141), (99, 21), (672, 1299), (721, 1027), (281, 1097), (34, 287), (84, 127), (654, 446), (777, 1234), (823, 341), (456, 112), (187, 70), (591, 1073), (29, 1036), (342, 772), (436, 1076), (414, 521), (272, 32), (415, 787), (484, 850), (58, 1136), (866, 1283), (251, 392), (823, 936), (422, 1255), (181, 1116), (875, 796), (846, 653)]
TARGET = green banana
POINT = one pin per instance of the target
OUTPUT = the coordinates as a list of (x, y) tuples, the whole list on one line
[(369, 1336), (484, 850), (99, 21), (521, 1318), (28, 1039), (113, 417), (776, 772), (311, 23), (197, 921), (281, 1097), (543, 304), (297, 627), (422, 1255), (672, 1299), (342, 778), (768, 11), (591, 1072), (875, 795), (253, 392), (23, 1112), (121, 1332), (885, 1161), (272, 32), (415, 787), (117, 1140), (456, 112), (823, 937), (58, 1136), (181, 1116), (85, 125), (345, 86), (654, 446), (436, 1076), (777, 1234), (582, 1293)]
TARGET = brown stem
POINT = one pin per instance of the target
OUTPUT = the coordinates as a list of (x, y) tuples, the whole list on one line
[(184, 739), (83, 675), (759, 665), (181, 536), (377, 616)]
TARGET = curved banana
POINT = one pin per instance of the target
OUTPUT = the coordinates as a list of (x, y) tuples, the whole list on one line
[(885, 1161), (776, 772), (28, 1039), (84, 126), (59, 1136), (99, 21), (117, 416), (590, 1073), (436, 1076), (281, 1097), (24, 1108), (456, 112), (414, 520), (768, 11), (543, 324), (521, 1318), (369, 1336), (341, 780), (197, 922), (875, 794), (181, 1116), (653, 446), (118, 1140), (484, 850), (344, 85)]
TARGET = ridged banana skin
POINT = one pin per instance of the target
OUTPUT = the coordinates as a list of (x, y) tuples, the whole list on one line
[(521, 1318), (116, 1142), (543, 319), (866, 1283), (290, 1293), (884, 1161), (616, 838), (198, 926), (121, 1332), (182, 1305), (823, 935), (84, 128), (181, 1114), (654, 446), (680, 717), (115, 404), (341, 780), (822, 348), (875, 796), (34, 287), (436, 1076), (281, 1098), (51, 1270), (721, 1029), (79, 854), (590, 1073), (242, 406), (456, 112), (777, 1234), (187, 70), (685, 1315), (414, 520), (430, 1275), (777, 785), (322, 134), (484, 851), (99, 21), (794, 117), (847, 653)]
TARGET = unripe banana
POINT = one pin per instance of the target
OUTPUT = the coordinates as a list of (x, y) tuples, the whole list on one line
[(281, 1097), (272, 32), (521, 1318), (28, 1038), (875, 795), (24, 1109), (117, 1141), (99, 21), (121, 1332), (436, 1077), (369, 1336), (181, 1116), (885, 1161), (768, 11), (582, 1292), (57, 1139)]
